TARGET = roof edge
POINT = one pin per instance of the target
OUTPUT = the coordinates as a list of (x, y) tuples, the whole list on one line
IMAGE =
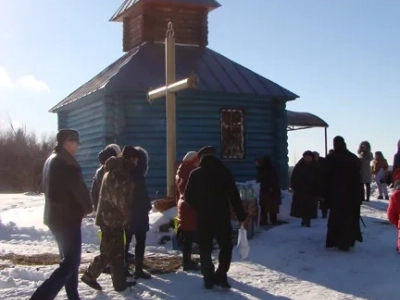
[(119, 16)]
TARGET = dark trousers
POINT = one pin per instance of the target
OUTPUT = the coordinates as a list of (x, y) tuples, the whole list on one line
[(224, 240), (112, 251), (267, 217), (69, 241), (367, 191), (140, 237), (187, 239)]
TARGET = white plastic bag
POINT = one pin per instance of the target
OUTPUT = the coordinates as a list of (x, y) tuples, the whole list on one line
[(243, 244)]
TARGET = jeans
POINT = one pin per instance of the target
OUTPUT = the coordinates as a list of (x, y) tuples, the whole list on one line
[(69, 241)]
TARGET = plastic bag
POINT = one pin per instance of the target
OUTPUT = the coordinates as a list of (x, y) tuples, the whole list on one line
[(243, 244)]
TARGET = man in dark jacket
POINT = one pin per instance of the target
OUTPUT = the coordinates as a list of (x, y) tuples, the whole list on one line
[(320, 169), (211, 191), (114, 217), (67, 201), (344, 196)]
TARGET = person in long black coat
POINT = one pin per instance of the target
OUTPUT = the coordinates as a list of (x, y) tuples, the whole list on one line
[(211, 191), (344, 196), (304, 183), (320, 163), (270, 191)]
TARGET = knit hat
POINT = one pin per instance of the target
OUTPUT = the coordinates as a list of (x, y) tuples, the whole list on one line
[(104, 155), (398, 144), (67, 135), (116, 148), (191, 155), (130, 152), (207, 150)]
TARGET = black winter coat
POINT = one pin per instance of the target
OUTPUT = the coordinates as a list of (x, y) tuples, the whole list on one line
[(67, 198), (211, 191), (305, 185)]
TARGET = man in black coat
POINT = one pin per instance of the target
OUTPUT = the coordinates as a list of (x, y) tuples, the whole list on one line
[(344, 195), (67, 201), (320, 161), (211, 191)]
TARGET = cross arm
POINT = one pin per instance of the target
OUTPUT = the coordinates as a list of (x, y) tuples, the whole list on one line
[(188, 83)]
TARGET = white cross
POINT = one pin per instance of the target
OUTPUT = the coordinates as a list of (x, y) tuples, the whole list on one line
[(169, 92)]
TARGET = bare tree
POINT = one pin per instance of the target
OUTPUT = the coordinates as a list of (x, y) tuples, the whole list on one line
[(22, 158)]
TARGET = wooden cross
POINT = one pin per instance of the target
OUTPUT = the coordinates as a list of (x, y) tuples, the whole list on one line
[(169, 92)]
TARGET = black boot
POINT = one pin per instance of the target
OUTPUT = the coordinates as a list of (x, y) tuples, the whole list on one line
[(221, 279), (274, 218), (368, 188), (189, 264), (91, 282), (139, 272)]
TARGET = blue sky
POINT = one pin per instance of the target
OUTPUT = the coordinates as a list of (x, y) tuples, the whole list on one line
[(342, 57)]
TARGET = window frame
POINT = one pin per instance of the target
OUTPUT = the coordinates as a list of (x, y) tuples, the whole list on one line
[(242, 111)]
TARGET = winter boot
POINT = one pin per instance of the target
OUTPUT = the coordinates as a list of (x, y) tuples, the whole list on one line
[(380, 197), (189, 264), (386, 197), (368, 192), (128, 272), (139, 272), (91, 282), (221, 280)]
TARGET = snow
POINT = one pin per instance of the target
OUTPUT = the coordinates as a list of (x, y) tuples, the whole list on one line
[(286, 262)]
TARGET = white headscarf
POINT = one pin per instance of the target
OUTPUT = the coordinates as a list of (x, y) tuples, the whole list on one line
[(116, 148), (190, 156)]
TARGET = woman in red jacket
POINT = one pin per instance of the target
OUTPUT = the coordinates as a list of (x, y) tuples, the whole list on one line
[(394, 205), (186, 214)]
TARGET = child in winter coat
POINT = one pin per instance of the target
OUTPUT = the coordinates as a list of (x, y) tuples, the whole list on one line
[(379, 169), (393, 211), (187, 225)]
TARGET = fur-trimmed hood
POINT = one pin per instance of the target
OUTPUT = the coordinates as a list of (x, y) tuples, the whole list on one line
[(143, 161)]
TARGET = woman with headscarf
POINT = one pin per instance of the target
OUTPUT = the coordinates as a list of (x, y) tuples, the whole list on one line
[(141, 206), (270, 192), (365, 156), (187, 225), (304, 183)]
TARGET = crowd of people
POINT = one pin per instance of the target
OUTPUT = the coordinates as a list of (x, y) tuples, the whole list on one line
[(340, 182), (206, 194)]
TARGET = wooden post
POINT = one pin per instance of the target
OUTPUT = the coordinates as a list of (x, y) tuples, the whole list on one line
[(169, 91)]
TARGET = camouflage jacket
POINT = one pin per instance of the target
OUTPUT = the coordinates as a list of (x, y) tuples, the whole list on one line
[(116, 194)]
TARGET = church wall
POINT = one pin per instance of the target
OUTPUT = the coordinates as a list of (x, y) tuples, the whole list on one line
[(198, 125), (88, 118)]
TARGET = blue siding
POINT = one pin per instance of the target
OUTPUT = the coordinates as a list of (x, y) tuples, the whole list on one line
[(281, 159), (90, 122), (198, 124)]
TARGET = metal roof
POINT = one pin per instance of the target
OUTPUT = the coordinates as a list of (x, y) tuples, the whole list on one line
[(211, 4), (304, 120), (144, 67)]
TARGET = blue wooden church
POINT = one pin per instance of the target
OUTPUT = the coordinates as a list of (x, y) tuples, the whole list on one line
[(232, 108)]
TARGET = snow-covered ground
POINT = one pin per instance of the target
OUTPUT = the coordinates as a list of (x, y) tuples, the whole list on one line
[(287, 262)]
